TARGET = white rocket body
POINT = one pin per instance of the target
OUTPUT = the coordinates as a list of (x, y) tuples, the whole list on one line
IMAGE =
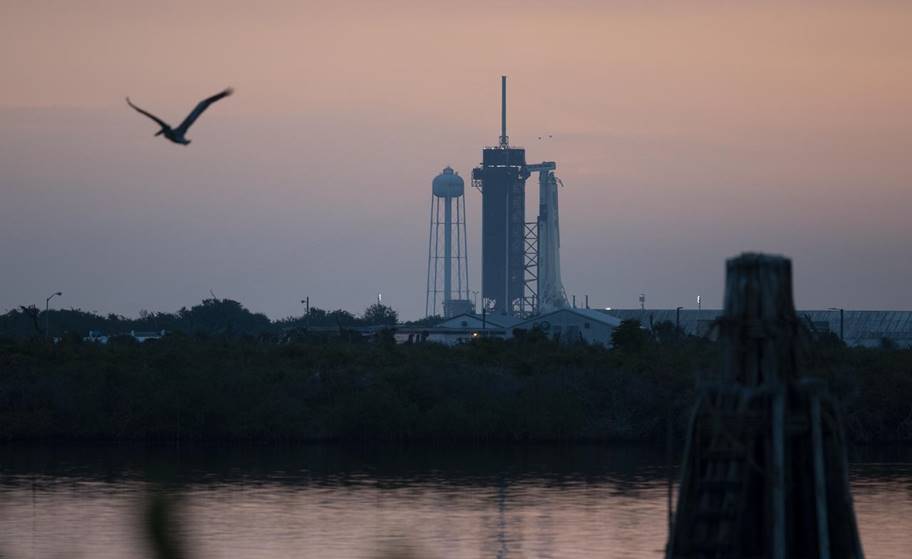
[(551, 294)]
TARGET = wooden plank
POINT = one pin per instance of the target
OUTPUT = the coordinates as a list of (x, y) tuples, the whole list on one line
[(778, 477), (820, 487)]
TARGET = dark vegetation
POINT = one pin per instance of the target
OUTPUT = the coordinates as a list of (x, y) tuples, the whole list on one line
[(234, 382), (213, 317), (197, 388)]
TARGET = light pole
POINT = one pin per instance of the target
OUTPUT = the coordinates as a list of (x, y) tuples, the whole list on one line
[(47, 317), (475, 300), (841, 322), (678, 321), (306, 302)]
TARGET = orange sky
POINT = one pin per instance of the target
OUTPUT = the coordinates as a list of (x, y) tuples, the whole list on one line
[(684, 132)]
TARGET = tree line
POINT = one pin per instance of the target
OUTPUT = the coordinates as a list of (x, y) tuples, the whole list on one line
[(192, 387), (214, 317)]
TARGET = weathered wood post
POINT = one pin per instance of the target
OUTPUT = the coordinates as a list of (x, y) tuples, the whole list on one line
[(764, 472)]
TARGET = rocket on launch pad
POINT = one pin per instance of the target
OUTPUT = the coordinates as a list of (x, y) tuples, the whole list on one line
[(550, 294)]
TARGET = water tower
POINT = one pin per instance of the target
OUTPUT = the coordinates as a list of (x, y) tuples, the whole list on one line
[(448, 274)]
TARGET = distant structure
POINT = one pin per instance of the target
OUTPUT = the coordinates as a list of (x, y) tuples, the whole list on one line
[(520, 261), (568, 326), (550, 293), (96, 336), (855, 328), (447, 190), (502, 181)]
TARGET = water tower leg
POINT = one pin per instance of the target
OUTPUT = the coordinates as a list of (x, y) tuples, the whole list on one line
[(447, 253), (427, 297)]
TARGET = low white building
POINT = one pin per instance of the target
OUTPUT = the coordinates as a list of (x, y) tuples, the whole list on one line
[(477, 321), (456, 336), (572, 325), (97, 337), (144, 336), (567, 325), (459, 329)]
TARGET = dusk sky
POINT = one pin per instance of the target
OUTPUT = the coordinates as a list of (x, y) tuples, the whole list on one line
[(684, 132)]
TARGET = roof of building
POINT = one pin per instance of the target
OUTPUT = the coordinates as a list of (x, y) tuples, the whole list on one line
[(138, 334), (499, 320), (645, 316), (495, 331), (589, 314)]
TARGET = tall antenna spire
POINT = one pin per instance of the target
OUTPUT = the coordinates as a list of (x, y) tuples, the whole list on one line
[(504, 140)]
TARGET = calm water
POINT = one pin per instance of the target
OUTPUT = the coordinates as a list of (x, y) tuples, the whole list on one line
[(330, 501)]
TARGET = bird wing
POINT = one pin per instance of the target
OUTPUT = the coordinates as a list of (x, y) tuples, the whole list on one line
[(200, 107), (161, 122)]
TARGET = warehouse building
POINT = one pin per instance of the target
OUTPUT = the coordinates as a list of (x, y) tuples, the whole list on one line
[(857, 328)]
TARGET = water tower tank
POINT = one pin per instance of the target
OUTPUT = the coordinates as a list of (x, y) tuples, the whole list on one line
[(448, 184)]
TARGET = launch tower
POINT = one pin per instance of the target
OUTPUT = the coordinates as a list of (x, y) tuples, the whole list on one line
[(502, 182), (520, 272)]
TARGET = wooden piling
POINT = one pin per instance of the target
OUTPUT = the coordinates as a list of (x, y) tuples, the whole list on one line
[(764, 470)]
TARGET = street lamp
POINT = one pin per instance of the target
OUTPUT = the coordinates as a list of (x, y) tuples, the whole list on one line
[(47, 318), (306, 302), (475, 300), (678, 321), (841, 322)]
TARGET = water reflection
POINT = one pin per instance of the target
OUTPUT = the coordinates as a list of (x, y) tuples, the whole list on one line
[(353, 502)]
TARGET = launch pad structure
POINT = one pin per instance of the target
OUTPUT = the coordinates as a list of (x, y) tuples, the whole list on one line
[(520, 259)]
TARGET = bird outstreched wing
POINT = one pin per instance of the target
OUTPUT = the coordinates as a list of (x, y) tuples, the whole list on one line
[(200, 107), (160, 122)]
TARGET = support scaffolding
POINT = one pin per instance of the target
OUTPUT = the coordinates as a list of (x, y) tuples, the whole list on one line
[(529, 304)]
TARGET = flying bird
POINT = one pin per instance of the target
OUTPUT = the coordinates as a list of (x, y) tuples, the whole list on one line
[(177, 135)]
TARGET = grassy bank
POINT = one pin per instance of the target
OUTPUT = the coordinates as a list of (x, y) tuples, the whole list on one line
[(191, 388)]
